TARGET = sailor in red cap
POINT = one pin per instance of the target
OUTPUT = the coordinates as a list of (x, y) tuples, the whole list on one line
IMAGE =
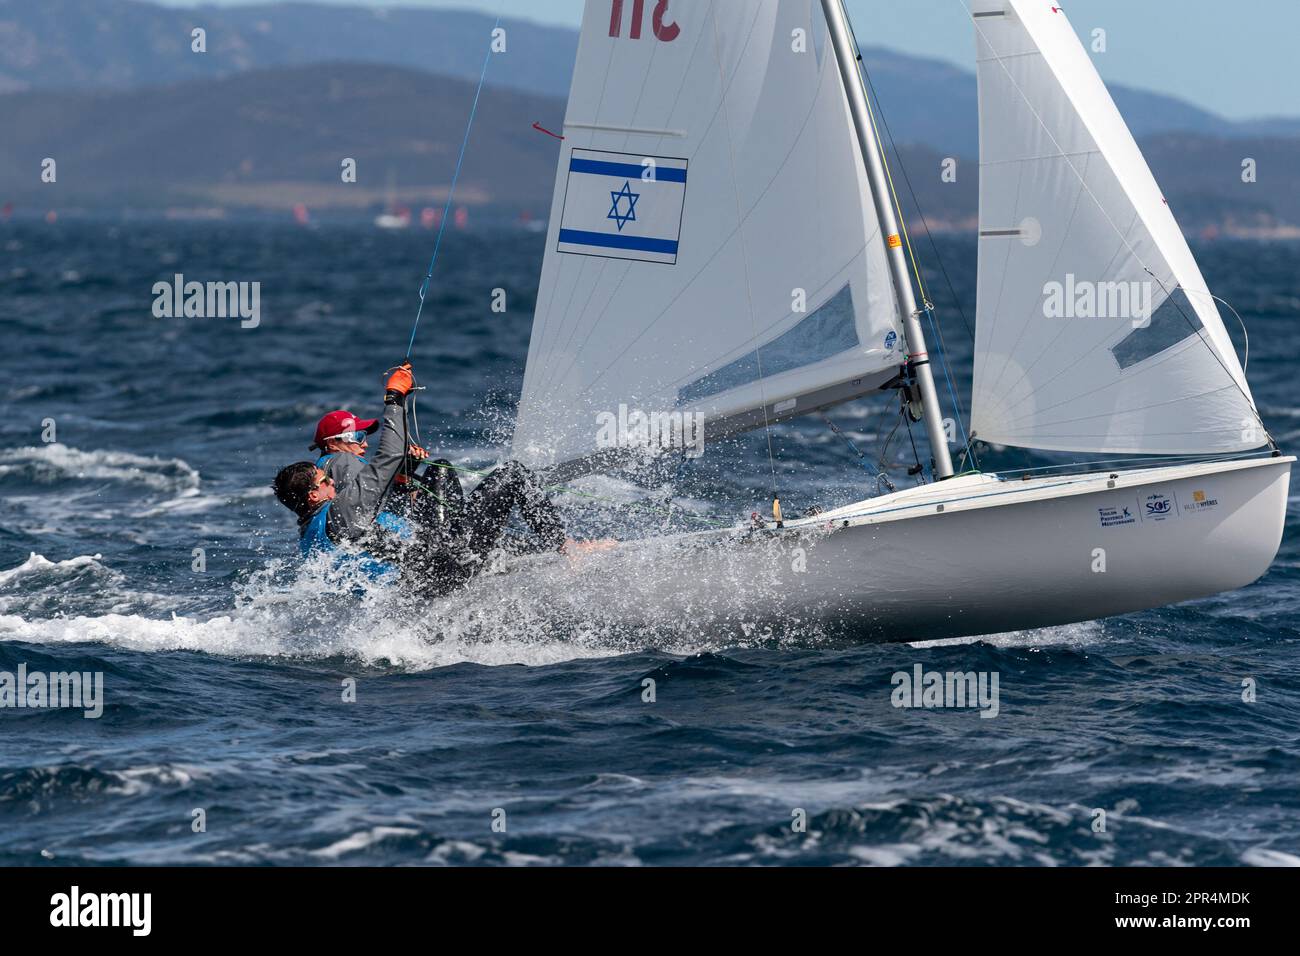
[(341, 503), (341, 438), (342, 431)]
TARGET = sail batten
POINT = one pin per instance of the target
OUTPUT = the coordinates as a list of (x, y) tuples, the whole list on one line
[(1091, 308), (681, 270)]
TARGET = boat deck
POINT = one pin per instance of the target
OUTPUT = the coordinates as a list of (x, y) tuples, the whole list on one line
[(974, 491)]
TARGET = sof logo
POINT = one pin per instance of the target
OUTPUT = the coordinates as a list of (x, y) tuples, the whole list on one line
[(1158, 506)]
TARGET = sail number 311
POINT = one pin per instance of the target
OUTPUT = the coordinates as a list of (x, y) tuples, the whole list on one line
[(667, 32)]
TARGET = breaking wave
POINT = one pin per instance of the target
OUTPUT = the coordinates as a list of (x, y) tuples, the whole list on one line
[(53, 463)]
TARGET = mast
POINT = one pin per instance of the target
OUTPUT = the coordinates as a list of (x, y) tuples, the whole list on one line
[(846, 54)]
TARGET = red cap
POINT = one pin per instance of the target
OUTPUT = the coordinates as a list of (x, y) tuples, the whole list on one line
[(336, 423)]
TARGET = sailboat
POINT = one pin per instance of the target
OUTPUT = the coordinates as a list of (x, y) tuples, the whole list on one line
[(394, 216), (724, 247)]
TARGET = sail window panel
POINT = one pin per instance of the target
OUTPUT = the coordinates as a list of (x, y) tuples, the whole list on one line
[(826, 332), (1173, 322)]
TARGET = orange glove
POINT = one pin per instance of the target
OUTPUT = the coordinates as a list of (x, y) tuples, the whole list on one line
[(399, 384)]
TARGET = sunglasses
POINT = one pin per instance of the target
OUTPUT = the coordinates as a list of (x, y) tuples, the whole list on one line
[(325, 480), (356, 438)]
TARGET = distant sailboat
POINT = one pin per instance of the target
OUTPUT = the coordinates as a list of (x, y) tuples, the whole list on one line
[(393, 216), (723, 245)]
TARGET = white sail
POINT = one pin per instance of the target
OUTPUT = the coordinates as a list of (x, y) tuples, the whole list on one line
[(713, 249), (1095, 330)]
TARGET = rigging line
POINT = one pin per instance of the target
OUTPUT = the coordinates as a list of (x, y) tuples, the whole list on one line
[(920, 475), (1245, 362), (928, 308), (889, 440), (880, 147), (925, 222), (744, 252), (947, 374), (879, 475), (941, 352), (1061, 152), (451, 193)]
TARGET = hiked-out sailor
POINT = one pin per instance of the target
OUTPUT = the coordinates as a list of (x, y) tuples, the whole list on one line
[(342, 439), (339, 506)]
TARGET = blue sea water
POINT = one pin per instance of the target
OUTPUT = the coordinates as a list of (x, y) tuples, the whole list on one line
[(224, 687)]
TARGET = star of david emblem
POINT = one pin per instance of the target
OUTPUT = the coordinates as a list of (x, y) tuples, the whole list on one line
[(617, 198)]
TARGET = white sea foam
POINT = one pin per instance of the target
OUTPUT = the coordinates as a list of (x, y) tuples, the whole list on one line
[(56, 462), (315, 615), (40, 587), (362, 840), (1069, 635), (1260, 856), (39, 566), (194, 503)]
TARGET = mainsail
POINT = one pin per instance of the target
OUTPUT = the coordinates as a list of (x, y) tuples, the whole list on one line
[(1095, 330), (713, 249)]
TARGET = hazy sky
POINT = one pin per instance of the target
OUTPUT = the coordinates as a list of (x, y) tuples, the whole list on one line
[(1235, 57)]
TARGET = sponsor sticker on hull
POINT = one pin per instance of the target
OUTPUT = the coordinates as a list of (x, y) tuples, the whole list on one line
[(1117, 516), (1158, 506), (1202, 500)]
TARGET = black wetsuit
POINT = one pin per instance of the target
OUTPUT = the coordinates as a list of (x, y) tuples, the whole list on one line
[(461, 531)]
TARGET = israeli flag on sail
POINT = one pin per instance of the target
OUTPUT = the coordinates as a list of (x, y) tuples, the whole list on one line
[(623, 206)]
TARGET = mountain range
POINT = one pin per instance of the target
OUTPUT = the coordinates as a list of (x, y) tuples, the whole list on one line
[(286, 91)]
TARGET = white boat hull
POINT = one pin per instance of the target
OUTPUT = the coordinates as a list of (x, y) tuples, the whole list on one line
[(973, 555)]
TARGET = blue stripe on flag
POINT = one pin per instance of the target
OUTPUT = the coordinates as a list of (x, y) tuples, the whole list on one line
[(580, 237), (662, 174)]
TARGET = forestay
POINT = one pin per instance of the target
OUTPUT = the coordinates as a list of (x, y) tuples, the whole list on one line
[(1095, 330), (713, 248)]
